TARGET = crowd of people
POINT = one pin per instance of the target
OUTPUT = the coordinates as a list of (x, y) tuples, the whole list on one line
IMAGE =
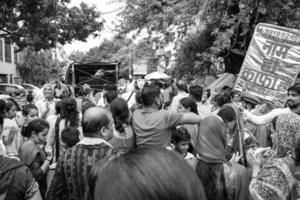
[(149, 141)]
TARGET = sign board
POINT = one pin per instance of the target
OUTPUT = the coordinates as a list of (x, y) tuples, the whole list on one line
[(140, 67), (271, 64)]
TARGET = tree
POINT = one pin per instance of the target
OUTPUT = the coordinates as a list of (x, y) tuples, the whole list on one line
[(230, 23), (40, 67), (40, 24), (157, 15)]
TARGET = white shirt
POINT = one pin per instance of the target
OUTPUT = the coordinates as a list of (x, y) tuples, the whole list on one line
[(41, 105), (204, 109), (176, 99)]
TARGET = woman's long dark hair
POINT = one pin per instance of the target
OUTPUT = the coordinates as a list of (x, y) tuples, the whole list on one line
[(120, 113), (35, 126), (69, 112), (212, 177), (188, 102)]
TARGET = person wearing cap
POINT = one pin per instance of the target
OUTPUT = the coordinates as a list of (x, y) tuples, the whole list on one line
[(249, 101), (292, 106)]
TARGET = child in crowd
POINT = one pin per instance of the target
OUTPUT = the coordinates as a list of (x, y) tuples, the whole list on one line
[(70, 136), (181, 142)]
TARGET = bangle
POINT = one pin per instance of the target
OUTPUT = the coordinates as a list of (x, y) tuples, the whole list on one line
[(49, 160)]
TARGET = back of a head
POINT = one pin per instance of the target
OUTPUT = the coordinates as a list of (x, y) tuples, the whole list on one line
[(70, 136), (94, 119), (181, 85), (110, 95), (69, 111), (69, 105), (86, 104), (146, 174), (227, 114), (221, 99), (196, 91), (120, 112), (188, 102), (149, 94)]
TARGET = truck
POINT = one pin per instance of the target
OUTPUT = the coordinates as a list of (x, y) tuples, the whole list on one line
[(95, 74)]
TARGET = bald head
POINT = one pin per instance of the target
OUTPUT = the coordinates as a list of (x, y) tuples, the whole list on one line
[(94, 119)]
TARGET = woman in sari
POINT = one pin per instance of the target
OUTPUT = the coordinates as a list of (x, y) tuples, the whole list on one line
[(221, 179), (273, 172)]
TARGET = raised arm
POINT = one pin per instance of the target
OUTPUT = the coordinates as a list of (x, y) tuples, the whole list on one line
[(263, 119), (190, 118)]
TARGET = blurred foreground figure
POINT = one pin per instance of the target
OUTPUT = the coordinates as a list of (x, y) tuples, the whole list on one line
[(145, 174)]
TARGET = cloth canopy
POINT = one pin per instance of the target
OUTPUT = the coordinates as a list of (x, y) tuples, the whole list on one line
[(157, 75)]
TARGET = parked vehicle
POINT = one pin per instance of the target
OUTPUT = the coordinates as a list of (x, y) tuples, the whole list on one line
[(7, 97), (30, 87), (17, 92), (95, 74)]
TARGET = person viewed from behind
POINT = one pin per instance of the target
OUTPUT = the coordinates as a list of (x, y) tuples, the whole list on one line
[(31, 153), (181, 93), (70, 136), (181, 140), (274, 173), (69, 117), (153, 126), (238, 141), (203, 107), (221, 179), (145, 174), (16, 180), (123, 133), (71, 174), (109, 96), (46, 106), (218, 101)]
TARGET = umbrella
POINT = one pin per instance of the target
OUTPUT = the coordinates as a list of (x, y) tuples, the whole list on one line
[(157, 75)]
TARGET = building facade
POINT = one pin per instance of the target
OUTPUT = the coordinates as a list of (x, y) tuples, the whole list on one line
[(8, 62)]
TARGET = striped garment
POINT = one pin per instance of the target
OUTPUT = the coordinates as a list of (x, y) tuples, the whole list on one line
[(71, 175)]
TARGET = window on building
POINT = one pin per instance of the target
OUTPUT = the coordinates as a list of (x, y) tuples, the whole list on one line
[(8, 52), (16, 60), (3, 78), (1, 49)]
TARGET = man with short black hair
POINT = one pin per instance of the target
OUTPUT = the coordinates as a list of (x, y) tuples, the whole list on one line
[(153, 125), (71, 175), (181, 93), (204, 108), (292, 105)]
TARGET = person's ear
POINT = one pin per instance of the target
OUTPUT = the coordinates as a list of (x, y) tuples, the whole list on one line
[(104, 132)]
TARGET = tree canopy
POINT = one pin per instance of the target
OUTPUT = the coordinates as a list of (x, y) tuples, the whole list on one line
[(229, 26), (40, 24), (40, 67)]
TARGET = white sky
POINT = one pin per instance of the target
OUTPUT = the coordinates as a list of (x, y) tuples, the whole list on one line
[(104, 6)]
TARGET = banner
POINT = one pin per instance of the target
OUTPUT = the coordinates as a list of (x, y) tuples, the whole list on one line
[(271, 64)]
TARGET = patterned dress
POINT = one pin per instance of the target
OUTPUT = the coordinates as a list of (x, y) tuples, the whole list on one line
[(70, 181)]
